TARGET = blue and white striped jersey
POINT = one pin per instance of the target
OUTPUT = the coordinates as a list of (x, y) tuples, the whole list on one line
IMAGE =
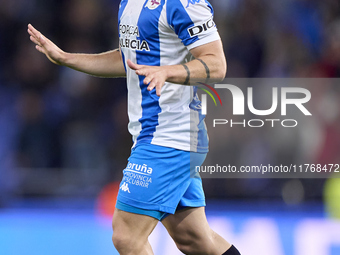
[(157, 33)]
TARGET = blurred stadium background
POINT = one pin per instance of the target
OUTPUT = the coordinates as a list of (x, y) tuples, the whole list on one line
[(64, 141)]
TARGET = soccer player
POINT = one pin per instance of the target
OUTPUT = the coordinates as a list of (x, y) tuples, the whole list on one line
[(166, 47)]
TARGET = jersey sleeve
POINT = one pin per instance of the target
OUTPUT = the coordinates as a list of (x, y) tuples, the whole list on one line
[(192, 21)]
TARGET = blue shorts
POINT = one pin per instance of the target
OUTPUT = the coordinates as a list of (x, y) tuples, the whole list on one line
[(157, 181)]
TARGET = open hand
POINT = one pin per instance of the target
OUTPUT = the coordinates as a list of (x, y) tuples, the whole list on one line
[(46, 46), (155, 76)]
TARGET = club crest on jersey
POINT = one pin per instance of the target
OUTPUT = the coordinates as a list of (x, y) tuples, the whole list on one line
[(153, 4)]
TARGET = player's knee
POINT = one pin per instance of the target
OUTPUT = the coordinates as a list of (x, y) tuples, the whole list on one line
[(120, 241), (126, 244)]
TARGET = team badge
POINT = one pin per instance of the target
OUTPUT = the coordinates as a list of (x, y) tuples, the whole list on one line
[(153, 4)]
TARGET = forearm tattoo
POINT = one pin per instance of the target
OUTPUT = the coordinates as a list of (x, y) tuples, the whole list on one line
[(207, 70), (187, 79)]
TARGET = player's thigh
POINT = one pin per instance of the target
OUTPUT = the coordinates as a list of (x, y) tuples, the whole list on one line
[(130, 226), (189, 225)]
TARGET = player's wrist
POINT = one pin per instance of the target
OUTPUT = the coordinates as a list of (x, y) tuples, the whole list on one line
[(175, 74), (66, 59), (169, 73)]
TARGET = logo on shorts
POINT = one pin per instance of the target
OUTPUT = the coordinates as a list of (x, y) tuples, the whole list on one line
[(153, 4), (125, 187), (140, 168)]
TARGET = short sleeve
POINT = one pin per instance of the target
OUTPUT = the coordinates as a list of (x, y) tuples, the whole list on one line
[(192, 21)]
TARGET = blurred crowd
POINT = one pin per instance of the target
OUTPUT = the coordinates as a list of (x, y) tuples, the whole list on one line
[(63, 132)]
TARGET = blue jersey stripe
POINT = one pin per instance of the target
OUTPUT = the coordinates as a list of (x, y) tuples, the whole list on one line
[(180, 21), (123, 4), (148, 30)]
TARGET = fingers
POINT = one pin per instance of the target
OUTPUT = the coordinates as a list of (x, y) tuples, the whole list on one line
[(39, 48), (33, 32), (36, 36), (33, 39), (158, 91), (148, 79), (45, 46), (132, 65), (155, 84), (152, 76), (151, 81), (140, 69)]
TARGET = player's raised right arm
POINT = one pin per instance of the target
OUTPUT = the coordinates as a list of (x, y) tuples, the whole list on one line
[(107, 64)]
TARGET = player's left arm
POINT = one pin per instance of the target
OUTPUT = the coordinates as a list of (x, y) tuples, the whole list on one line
[(209, 66)]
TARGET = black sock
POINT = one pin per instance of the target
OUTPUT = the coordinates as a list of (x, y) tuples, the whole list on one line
[(232, 251)]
